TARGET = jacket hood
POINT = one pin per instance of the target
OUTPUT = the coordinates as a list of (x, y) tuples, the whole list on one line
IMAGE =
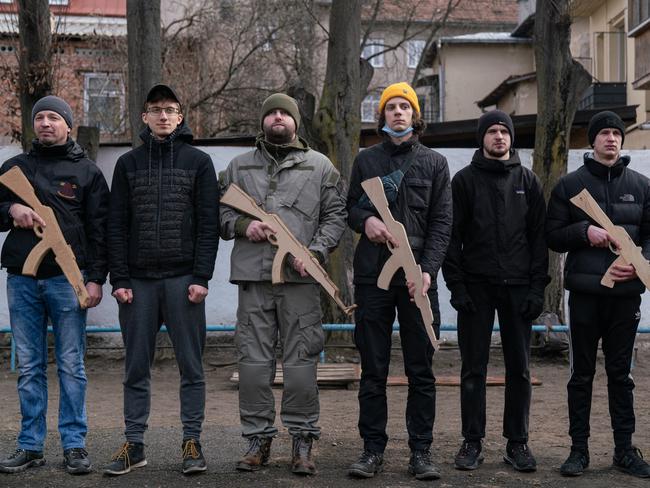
[(495, 165), (70, 150), (602, 171)]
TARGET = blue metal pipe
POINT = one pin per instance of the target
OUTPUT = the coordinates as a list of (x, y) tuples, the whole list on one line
[(330, 327)]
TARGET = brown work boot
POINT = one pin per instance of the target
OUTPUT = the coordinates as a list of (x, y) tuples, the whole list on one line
[(259, 451), (301, 461)]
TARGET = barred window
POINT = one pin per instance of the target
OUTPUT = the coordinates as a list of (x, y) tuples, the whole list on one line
[(104, 102)]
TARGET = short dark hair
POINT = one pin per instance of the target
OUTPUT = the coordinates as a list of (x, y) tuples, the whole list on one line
[(418, 124)]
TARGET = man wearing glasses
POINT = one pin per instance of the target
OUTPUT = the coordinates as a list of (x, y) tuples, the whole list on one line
[(163, 233)]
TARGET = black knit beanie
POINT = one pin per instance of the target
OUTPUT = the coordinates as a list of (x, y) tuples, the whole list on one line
[(285, 102), (55, 104), (491, 118), (605, 120)]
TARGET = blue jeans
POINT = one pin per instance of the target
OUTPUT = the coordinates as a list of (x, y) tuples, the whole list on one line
[(31, 303)]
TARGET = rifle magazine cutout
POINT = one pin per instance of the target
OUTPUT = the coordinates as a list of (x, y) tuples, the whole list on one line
[(402, 256), (51, 236), (628, 253), (286, 243)]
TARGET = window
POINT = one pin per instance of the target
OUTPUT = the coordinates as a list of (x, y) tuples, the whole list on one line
[(371, 51), (414, 52), (104, 102), (639, 12), (369, 108), (58, 2)]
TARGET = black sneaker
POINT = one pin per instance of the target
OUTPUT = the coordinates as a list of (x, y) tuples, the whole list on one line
[(129, 456), (76, 461), (519, 456), (631, 461), (576, 463), (369, 464), (20, 460), (469, 456), (421, 466), (193, 460)]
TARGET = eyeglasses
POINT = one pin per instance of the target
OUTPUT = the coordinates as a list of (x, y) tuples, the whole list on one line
[(167, 110)]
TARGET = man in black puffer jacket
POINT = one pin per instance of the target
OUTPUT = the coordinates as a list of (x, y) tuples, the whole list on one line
[(596, 311), (497, 260), (65, 180), (163, 233), (423, 206)]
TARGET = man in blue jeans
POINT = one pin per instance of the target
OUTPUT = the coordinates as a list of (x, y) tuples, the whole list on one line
[(72, 185)]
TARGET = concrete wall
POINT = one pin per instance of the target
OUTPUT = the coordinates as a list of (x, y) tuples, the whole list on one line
[(471, 71), (521, 100)]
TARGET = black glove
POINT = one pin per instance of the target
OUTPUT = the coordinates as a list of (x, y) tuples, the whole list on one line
[(461, 300), (532, 306)]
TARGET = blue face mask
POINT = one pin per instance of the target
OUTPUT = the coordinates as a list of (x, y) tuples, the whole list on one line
[(392, 133)]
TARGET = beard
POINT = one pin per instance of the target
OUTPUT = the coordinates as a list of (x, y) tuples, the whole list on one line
[(279, 135), (496, 153)]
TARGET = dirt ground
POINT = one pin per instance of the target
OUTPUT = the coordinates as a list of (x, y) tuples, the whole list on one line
[(340, 443)]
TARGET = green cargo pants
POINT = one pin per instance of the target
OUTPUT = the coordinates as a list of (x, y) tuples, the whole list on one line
[(291, 313)]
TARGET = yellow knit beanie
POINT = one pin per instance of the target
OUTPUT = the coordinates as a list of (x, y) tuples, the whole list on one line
[(403, 90)]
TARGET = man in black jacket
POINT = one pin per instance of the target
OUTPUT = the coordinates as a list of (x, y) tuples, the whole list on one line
[(72, 185), (596, 311), (163, 233), (423, 206), (497, 260)]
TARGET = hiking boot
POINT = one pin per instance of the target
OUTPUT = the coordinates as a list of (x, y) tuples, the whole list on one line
[(301, 460), (631, 461), (193, 460), (76, 461), (259, 451), (20, 460), (128, 457), (421, 466), (369, 464), (576, 463), (469, 456), (519, 456)]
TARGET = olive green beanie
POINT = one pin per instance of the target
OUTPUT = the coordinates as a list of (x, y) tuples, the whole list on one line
[(284, 102)]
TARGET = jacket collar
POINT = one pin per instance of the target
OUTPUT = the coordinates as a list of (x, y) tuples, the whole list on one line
[(602, 171), (495, 165), (69, 150)]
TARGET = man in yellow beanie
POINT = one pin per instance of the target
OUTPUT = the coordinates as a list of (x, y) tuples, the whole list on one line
[(304, 189), (422, 203)]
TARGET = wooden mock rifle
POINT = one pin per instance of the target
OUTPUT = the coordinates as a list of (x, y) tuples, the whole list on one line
[(628, 252), (402, 256), (51, 236), (286, 243)]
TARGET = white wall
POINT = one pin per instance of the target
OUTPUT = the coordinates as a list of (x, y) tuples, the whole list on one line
[(221, 303)]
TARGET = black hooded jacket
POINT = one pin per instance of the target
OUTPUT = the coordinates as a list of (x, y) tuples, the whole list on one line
[(498, 232), (624, 195), (423, 206), (64, 179), (164, 211)]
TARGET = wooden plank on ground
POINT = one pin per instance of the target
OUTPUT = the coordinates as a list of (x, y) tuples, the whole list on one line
[(346, 374)]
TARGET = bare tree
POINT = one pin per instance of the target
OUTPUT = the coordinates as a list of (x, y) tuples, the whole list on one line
[(560, 82), (34, 60), (338, 121), (144, 54)]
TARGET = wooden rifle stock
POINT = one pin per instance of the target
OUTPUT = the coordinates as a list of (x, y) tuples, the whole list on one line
[(286, 243), (402, 256), (51, 236), (628, 253)]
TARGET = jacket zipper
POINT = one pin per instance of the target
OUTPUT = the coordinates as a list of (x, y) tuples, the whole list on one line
[(159, 210)]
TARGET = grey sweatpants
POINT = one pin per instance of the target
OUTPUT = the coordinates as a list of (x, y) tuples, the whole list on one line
[(154, 302), (266, 313)]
